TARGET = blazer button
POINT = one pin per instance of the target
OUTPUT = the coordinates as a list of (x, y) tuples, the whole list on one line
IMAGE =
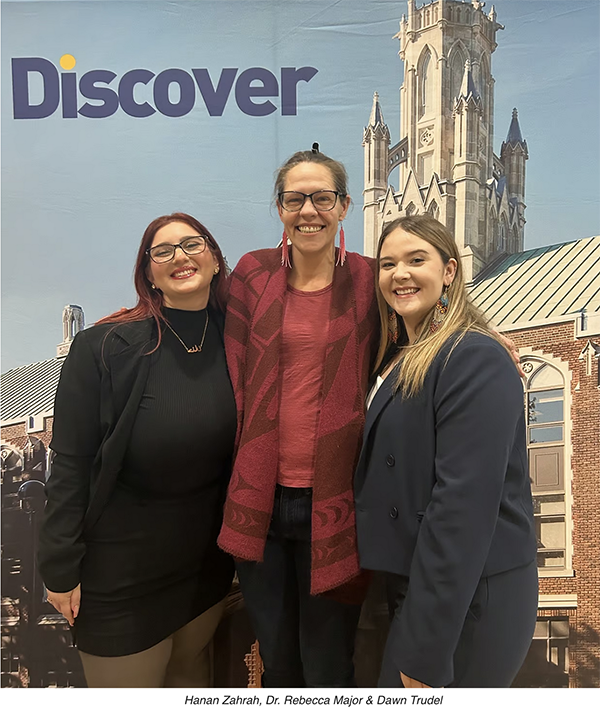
[(394, 512), (390, 460)]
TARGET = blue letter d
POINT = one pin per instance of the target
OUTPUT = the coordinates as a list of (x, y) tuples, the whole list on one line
[(20, 80)]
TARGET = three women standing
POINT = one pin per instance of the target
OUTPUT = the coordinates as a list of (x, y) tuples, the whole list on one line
[(442, 491), (144, 428)]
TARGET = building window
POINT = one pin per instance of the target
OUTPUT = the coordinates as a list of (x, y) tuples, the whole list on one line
[(457, 70), (551, 637), (515, 241), (424, 168), (544, 401), (502, 236), (547, 662), (425, 85), (434, 210)]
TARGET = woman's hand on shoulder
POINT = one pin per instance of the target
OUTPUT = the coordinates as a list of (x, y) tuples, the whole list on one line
[(512, 348), (66, 603), (411, 682)]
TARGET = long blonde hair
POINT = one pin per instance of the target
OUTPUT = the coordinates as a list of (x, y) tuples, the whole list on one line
[(462, 315)]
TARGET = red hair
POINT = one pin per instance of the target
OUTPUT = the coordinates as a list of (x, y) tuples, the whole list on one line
[(150, 300)]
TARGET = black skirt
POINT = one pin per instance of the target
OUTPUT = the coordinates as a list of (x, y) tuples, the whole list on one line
[(151, 566)]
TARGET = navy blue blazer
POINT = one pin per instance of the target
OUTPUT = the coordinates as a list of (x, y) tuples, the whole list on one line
[(443, 495)]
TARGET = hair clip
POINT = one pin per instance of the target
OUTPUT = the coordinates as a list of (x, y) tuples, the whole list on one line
[(315, 147)]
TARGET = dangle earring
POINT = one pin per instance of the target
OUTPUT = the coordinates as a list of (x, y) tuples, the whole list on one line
[(341, 258), (285, 254), (392, 326), (440, 311)]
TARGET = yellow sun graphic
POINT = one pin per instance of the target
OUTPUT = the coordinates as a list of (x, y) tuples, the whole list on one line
[(67, 61)]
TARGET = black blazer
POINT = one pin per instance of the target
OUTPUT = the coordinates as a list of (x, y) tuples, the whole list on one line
[(101, 385), (443, 495)]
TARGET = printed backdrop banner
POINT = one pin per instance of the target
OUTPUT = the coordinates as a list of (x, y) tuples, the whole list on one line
[(116, 112)]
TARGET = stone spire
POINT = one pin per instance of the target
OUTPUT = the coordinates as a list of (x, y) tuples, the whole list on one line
[(514, 136), (376, 117), (513, 155), (468, 89), (376, 142)]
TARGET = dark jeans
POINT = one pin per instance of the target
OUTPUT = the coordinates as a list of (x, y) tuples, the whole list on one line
[(304, 640)]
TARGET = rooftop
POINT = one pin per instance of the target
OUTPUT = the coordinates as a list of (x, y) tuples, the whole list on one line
[(541, 285), (29, 390)]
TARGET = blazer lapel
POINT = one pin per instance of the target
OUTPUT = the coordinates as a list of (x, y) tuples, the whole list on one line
[(381, 400), (128, 364), (133, 342)]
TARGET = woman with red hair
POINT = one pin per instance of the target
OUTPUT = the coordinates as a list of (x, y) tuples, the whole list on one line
[(144, 427)]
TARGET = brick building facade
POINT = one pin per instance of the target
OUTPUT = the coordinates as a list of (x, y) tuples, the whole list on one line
[(548, 302), (572, 595)]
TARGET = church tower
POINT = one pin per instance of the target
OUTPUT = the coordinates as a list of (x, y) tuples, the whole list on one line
[(445, 157), (376, 142), (513, 155)]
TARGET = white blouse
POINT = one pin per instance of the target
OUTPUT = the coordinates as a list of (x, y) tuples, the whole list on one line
[(373, 392)]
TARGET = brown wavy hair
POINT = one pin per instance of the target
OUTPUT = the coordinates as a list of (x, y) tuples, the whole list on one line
[(150, 300)]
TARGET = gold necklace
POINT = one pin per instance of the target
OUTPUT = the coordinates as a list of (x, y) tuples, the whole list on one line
[(194, 348)]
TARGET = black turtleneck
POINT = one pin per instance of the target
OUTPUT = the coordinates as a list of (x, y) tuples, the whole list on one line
[(183, 435)]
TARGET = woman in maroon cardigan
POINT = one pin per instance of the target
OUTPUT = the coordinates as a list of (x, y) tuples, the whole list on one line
[(301, 333)]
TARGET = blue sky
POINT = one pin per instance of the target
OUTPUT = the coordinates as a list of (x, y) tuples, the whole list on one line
[(78, 193)]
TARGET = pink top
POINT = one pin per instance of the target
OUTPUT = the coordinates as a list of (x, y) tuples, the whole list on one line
[(304, 339)]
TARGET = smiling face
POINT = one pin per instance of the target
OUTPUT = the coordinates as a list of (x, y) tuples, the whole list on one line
[(412, 276), (310, 231), (185, 280)]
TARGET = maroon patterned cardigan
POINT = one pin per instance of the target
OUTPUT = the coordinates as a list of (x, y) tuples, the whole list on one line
[(253, 331)]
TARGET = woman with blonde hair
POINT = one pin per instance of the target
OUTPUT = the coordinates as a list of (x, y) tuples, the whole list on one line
[(443, 498)]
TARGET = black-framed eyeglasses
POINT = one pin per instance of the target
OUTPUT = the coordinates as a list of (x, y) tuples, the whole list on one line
[(322, 200), (162, 253)]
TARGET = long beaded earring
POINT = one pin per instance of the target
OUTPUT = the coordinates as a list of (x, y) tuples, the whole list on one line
[(440, 311), (285, 254), (341, 257), (392, 326)]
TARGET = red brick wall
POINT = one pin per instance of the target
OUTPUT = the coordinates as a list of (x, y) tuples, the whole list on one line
[(559, 341), (16, 434)]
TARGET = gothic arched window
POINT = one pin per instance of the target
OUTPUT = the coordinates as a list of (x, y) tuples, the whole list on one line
[(514, 247), (457, 70), (502, 235), (434, 210), (410, 209), (492, 244), (546, 420), (425, 84)]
